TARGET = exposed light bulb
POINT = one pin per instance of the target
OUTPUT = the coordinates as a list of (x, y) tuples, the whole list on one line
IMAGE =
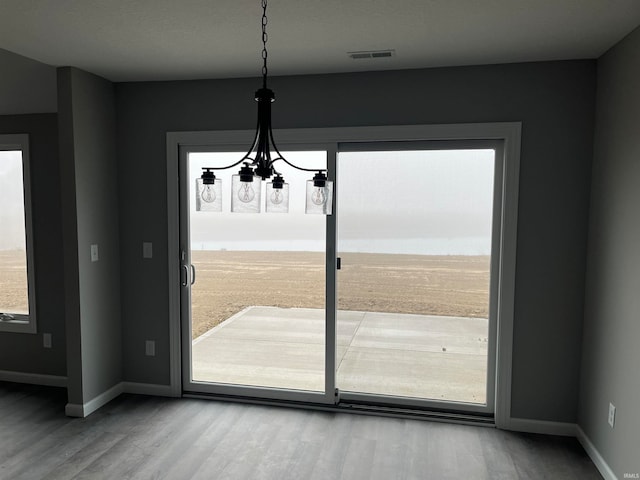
[(276, 196), (319, 196), (246, 193), (208, 194)]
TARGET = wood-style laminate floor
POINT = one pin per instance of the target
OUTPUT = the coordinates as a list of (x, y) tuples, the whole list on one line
[(143, 437)]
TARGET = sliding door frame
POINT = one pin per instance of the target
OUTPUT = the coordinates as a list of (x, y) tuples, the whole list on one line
[(329, 139)]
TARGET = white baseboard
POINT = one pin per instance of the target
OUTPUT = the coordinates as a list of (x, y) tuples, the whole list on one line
[(569, 430), (148, 389), (87, 408), (602, 466), (33, 378), (74, 410), (541, 426)]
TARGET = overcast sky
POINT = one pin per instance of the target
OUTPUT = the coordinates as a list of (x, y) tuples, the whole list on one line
[(428, 202)]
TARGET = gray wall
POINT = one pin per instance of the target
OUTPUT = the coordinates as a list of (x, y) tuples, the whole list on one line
[(555, 102), (26, 86), (90, 216), (611, 351), (22, 352)]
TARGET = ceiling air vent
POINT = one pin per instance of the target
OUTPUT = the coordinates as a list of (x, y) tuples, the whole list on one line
[(371, 54)]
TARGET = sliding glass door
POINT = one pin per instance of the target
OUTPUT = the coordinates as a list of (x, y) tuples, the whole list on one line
[(391, 300), (415, 230), (255, 302)]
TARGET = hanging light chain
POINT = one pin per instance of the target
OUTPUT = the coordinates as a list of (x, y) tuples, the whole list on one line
[(264, 43)]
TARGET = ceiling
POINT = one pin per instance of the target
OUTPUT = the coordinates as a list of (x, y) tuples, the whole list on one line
[(132, 40)]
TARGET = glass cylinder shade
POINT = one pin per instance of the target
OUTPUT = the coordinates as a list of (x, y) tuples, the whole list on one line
[(277, 199), (245, 196), (319, 199), (208, 197)]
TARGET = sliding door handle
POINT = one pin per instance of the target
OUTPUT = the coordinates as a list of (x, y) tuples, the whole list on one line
[(185, 279), (193, 274)]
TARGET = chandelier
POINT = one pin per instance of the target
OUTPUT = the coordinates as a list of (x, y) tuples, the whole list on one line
[(259, 165)]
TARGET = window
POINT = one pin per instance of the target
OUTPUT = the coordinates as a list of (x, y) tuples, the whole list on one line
[(17, 293)]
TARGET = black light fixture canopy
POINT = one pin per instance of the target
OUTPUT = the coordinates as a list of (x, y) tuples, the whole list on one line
[(259, 162)]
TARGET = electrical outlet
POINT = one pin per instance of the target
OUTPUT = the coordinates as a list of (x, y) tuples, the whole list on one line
[(150, 348), (46, 340), (94, 252), (612, 415), (147, 250)]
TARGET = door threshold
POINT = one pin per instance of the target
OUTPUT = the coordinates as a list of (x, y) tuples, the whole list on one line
[(418, 413), (359, 409)]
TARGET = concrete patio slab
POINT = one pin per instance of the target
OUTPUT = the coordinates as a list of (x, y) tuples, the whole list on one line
[(420, 356)]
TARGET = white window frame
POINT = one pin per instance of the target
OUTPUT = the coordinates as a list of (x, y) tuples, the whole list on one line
[(23, 323)]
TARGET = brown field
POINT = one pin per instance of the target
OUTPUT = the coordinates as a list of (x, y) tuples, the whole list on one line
[(228, 282), (13, 282)]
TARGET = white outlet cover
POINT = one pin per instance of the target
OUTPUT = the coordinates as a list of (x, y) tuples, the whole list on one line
[(94, 252), (150, 348), (46, 340), (147, 250)]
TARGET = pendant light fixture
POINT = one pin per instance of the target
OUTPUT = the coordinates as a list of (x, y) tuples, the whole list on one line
[(258, 166)]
